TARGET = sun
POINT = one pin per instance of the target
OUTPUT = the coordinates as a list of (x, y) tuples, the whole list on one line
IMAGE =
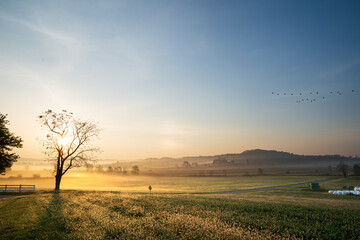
[(65, 141)]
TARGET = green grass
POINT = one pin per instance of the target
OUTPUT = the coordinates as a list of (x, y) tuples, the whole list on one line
[(338, 184), (113, 215), (286, 213), (139, 184)]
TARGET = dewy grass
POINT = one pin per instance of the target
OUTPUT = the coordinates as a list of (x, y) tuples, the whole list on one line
[(140, 184), (114, 215)]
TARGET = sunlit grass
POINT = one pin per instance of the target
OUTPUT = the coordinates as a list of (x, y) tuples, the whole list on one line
[(139, 184), (113, 215)]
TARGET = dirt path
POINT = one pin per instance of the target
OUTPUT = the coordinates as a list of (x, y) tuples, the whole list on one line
[(280, 187)]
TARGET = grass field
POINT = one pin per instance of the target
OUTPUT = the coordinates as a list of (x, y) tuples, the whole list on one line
[(287, 213), (139, 184)]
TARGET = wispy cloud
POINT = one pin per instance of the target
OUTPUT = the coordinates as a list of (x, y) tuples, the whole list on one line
[(64, 39), (341, 68)]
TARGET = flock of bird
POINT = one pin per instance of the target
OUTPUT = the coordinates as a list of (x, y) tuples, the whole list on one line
[(310, 96)]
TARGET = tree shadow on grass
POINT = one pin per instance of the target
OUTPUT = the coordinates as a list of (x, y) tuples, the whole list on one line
[(52, 224)]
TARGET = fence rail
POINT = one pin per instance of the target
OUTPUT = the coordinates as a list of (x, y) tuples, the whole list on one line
[(17, 188)]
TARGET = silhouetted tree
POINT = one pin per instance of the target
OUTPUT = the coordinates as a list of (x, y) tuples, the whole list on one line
[(99, 168), (356, 170), (68, 141), (343, 168), (220, 161), (89, 167), (7, 141), (110, 169), (135, 169), (186, 164), (117, 169)]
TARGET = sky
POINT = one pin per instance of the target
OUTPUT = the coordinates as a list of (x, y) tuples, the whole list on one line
[(186, 78)]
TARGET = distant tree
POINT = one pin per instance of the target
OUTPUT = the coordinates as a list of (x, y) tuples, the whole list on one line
[(220, 161), (356, 170), (99, 168), (260, 171), (194, 164), (89, 167), (36, 175), (110, 169), (124, 171), (135, 169), (343, 168), (7, 141), (117, 169), (150, 187), (186, 164), (68, 141)]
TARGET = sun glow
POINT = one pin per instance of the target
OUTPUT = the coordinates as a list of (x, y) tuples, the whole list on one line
[(65, 141)]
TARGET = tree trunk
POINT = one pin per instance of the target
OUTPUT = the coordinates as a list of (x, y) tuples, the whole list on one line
[(57, 182)]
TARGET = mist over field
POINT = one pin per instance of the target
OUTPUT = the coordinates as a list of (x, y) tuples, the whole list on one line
[(179, 119)]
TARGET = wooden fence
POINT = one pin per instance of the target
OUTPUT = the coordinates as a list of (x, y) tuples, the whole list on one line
[(17, 188)]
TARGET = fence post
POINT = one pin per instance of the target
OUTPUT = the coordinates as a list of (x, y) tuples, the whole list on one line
[(20, 188)]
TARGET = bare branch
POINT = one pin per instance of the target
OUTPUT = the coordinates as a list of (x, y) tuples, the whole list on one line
[(68, 140)]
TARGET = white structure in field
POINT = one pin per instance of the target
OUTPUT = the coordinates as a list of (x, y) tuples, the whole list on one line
[(356, 191)]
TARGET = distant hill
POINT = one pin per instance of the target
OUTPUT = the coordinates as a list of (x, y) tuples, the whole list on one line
[(256, 157), (272, 157)]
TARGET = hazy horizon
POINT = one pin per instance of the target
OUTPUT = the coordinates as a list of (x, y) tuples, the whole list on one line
[(183, 78)]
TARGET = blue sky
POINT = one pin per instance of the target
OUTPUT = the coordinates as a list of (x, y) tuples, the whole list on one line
[(176, 78)]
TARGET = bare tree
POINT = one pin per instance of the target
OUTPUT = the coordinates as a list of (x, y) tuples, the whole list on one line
[(343, 168), (67, 142)]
